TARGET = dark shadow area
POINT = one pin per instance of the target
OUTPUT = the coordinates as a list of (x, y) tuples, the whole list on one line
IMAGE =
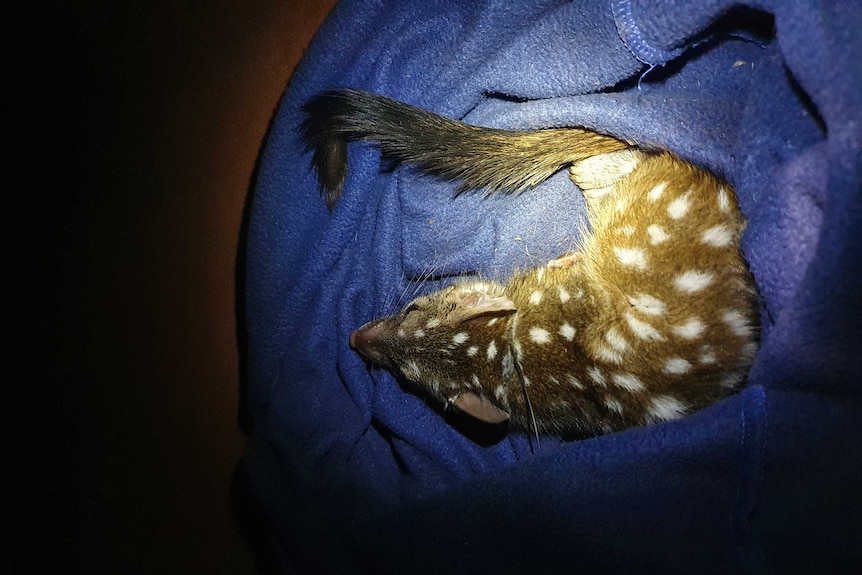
[(134, 129), (740, 23)]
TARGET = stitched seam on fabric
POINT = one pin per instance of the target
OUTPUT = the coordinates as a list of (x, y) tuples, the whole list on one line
[(755, 426), (632, 36)]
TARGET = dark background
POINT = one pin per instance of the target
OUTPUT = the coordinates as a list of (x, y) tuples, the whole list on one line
[(132, 131)]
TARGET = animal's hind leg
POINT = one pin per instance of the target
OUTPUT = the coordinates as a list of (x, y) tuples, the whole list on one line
[(598, 176)]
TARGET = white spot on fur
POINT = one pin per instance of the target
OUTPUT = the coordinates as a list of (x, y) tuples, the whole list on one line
[(500, 392), (723, 200), (627, 231), (539, 335), (609, 355), (642, 329), (412, 371), (736, 322), (460, 337), (664, 408), (657, 235), (691, 329), (655, 193), (706, 355), (731, 380), (540, 275), (717, 236), (676, 366), (632, 257), (515, 340), (564, 294), (692, 281), (419, 333), (627, 381), (492, 321), (648, 305), (476, 382), (573, 381), (492, 350), (432, 323), (597, 376), (536, 297), (679, 207), (749, 350), (567, 331), (613, 404), (472, 350), (617, 341)]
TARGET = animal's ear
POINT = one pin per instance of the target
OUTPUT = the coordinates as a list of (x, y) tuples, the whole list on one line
[(480, 408), (477, 304)]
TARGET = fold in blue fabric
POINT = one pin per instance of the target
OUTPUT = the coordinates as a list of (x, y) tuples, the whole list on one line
[(358, 474)]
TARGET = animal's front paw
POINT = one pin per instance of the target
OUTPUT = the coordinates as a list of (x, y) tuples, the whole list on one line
[(566, 260)]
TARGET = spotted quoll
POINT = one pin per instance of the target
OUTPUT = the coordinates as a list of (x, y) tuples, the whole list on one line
[(654, 317)]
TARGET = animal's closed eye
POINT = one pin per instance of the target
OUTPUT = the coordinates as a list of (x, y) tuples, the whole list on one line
[(410, 308)]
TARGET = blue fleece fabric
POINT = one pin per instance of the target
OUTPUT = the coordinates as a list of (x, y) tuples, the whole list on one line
[(358, 474)]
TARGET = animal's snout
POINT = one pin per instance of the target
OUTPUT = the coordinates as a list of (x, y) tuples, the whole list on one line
[(357, 339), (369, 339)]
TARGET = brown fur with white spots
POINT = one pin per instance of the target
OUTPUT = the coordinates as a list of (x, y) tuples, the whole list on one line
[(653, 318)]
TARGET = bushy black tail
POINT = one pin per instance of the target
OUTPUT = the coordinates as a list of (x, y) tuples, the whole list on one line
[(480, 158)]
